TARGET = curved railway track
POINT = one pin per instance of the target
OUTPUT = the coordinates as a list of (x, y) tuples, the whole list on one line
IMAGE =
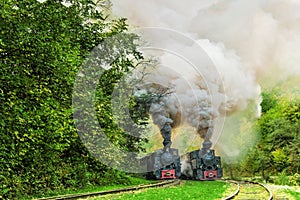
[(115, 191), (250, 190)]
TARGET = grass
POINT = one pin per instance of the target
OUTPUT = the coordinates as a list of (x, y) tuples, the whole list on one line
[(188, 190), (285, 192), (93, 188), (295, 194)]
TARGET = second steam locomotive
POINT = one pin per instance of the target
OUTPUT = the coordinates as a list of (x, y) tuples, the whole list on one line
[(205, 167)]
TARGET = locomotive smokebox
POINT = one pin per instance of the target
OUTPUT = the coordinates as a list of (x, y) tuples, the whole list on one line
[(167, 158)]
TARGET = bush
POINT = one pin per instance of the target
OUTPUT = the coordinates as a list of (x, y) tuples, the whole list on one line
[(282, 179), (295, 179)]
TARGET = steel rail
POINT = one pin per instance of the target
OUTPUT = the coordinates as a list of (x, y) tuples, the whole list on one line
[(114, 191), (237, 191), (265, 187)]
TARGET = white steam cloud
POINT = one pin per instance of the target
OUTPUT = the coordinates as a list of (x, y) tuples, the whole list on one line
[(246, 41)]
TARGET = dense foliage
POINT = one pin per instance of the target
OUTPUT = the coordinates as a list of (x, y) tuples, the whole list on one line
[(277, 151), (279, 125), (42, 47)]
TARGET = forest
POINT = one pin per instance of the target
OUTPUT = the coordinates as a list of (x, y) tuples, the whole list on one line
[(42, 48), (276, 152)]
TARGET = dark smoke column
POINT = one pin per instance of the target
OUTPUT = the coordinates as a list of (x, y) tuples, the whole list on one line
[(161, 119), (205, 130), (166, 132)]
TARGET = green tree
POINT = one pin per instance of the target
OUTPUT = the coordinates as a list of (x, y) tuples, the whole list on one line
[(278, 128), (42, 47)]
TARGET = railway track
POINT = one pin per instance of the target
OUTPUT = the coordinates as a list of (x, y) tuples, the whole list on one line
[(250, 190), (115, 191)]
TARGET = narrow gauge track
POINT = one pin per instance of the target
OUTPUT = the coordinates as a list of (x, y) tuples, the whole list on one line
[(115, 191), (250, 190)]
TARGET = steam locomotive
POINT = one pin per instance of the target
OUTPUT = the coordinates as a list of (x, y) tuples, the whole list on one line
[(163, 164), (206, 166)]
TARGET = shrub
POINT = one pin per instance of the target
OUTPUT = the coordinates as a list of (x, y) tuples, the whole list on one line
[(295, 179), (282, 179)]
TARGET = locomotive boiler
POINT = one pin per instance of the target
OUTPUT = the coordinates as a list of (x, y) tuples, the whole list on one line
[(205, 166)]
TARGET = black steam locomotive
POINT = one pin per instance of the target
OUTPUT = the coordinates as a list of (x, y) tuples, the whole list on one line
[(163, 164), (205, 166)]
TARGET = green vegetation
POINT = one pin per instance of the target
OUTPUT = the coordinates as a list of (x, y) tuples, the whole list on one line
[(276, 155), (188, 190), (93, 188), (42, 47), (285, 192), (295, 194), (278, 149)]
